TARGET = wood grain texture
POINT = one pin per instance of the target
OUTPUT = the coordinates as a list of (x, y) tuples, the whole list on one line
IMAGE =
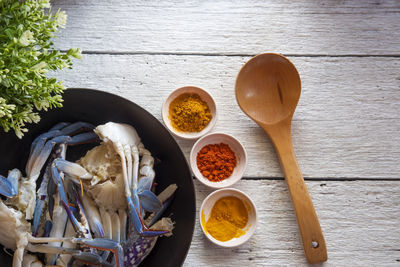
[(359, 220), (346, 124), (233, 27)]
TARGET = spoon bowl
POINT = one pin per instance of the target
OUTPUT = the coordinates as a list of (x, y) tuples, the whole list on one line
[(267, 89)]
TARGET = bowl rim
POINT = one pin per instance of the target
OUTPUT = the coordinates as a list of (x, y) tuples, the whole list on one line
[(188, 135), (253, 226), (215, 185)]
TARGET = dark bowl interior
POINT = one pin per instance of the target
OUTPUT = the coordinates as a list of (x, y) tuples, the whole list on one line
[(99, 107)]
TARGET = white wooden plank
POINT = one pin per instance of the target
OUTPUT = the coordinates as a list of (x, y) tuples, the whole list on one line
[(359, 220), (346, 124), (238, 27)]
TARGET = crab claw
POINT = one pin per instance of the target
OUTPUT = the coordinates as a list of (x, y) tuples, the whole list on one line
[(149, 201), (6, 187), (71, 168), (40, 158), (138, 223), (77, 127), (83, 138), (9, 185), (37, 146), (158, 214), (105, 245)]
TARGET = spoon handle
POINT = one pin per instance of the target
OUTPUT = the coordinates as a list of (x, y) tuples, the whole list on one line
[(307, 219)]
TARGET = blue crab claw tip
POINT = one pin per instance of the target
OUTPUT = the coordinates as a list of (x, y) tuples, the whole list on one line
[(6, 188), (149, 201)]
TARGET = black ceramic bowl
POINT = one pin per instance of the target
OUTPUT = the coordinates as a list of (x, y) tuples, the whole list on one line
[(99, 107)]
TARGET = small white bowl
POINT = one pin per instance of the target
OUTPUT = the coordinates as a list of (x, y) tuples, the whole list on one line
[(237, 148), (208, 204), (205, 96)]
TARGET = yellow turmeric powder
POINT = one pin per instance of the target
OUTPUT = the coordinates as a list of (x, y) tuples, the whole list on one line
[(188, 113), (227, 219)]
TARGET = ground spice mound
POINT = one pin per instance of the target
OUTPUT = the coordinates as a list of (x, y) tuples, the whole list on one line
[(227, 219), (188, 113), (216, 161)]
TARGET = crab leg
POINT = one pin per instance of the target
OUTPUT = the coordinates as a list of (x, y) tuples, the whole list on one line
[(135, 155), (107, 225), (59, 223), (134, 205), (59, 152), (48, 225), (128, 158), (84, 220), (69, 232), (58, 180), (116, 227), (138, 223), (93, 216), (133, 210), (143, 245), (123, 220), (86, 257), (104, 244), (41, 201), (51, 249), (77, 225)]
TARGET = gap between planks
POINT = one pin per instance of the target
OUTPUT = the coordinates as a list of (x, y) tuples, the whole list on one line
[(230, 54), (323, 179)]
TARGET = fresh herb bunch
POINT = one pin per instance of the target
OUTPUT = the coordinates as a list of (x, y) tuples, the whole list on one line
[(26, 55)]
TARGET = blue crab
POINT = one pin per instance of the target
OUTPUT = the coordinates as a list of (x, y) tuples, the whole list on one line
[(73, 225)]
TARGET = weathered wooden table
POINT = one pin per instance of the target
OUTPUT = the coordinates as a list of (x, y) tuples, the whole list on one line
[(345, 129)]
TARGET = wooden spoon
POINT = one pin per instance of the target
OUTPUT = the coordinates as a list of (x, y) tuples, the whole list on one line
[(267, 89)]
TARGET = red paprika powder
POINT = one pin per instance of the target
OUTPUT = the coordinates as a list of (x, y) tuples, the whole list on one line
[(216, 161)]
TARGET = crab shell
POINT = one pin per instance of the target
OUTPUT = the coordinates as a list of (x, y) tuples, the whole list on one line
[(107, 183), (14, 227)]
